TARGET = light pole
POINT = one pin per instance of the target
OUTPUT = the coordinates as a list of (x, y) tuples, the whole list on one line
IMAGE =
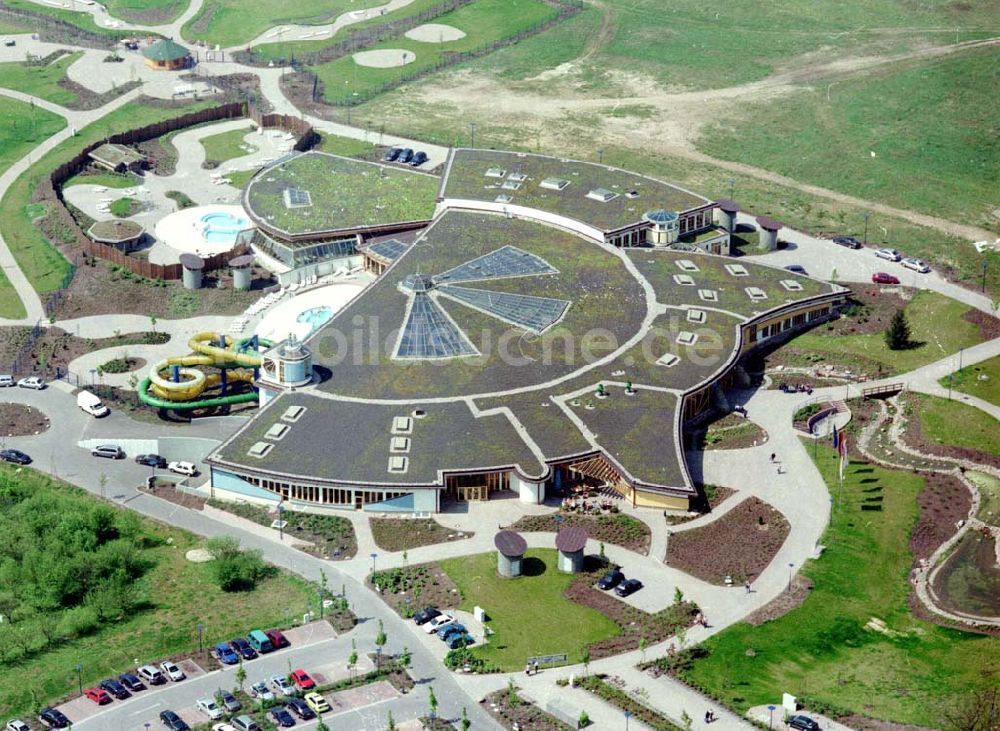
[(867, 216), (770, 720), (472, 132), (321, 602), (558, 519), (732, 187), (281, 521), (985, 264), (201, 634), (600, 155), (628, 715), (79, 678), (374, 556), (790, 567)]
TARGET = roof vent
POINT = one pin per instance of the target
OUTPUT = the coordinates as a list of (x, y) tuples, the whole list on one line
[(687, 338), (510, 184), (260, 449), (418, 413), (791, 285), (687, 265), (756, 293), (277, 431), (709, 295), (496, 173), (399, 445), (292, 413), (402, 425), (554, 183), (503, 198), (737, 270), (602, 195), (696, 316), (517, 177), (684, 279), (668, 360), (398, 464)]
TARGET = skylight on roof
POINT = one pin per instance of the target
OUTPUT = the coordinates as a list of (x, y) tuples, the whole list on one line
[(510, 184), (602, 195), (687, 338), (687, 265), (696, 316), (668, 360), (517, 177), (399, 445), (292, 413), (260, 449), (684, 280), (496, 173), (791, 285), (709, 295), (737, 270), (503, 198), (402, 425), (277, 431), (398, 464), (554, 184), (296, 198), (756, 293)]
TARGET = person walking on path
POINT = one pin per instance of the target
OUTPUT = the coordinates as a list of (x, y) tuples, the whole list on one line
[(535, 667), (746, 585)]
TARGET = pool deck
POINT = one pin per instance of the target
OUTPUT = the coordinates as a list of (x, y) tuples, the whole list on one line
[(184, 231), (283, 318)]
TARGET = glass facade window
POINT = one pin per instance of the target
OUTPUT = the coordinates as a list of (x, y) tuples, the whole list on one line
[(298, 255)]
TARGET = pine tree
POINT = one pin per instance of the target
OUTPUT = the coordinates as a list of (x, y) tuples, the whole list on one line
[(897, 337)]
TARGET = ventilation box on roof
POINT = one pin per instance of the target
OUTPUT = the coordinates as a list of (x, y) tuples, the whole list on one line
[(260, 449), (683, 279), (737, 270), (756, 293), (554, 183), (602, 195), (687, 338), (292, 413), (791, 285), (402, 425), (687, 265), (496, 173), (277, 431), (709, 295), (696, 316), (398, 464), (399, 445), (668, 360)]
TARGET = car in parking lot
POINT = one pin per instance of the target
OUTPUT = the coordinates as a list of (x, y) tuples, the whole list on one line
[(241, 646), (108, 451), (152, 675), (302, 680), (245, 723), (449, 630), (230, 702), (100, 696), (627, 587), (7, 381), (53, 718), (459, 639), (419, 159), (803, 722), (392, 154), (16, 724), (209, 707), (181, 467), (115, 688), (131, 682), (260, 691), (173, 722), (278, 640), (406, 155), (317, 702), (31, 382), (917, 265), (222, 727), (611, 579), (884, 278), (888, 254), (151, 460), (300, 708), (437, 623), (225, 654), (797, 268), (426, 614), (171, 670), (282, 684), (14, 456), (282, 717), (849, 241)]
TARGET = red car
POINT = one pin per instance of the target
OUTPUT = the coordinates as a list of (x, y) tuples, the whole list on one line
[(98, 695), (883, 278), (277, 639), (302, 680)]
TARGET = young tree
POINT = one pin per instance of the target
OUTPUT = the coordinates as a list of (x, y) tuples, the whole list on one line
[(897, 336), (465, 722), (390, 723), (583, 721), (152, 322), (686, 719), (512, 697), (379, 644), (432, 701), (405, 657), (241, 674), (585, 659), (678, 595), (643, 644), (321, 726), (352, 659)]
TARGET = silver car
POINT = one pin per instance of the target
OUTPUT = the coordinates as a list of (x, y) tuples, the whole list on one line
[(916, 265), (889, 254)]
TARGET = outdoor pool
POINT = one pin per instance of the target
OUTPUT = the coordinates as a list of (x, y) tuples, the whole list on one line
[(222, 227), (305, 313), (315, 317)]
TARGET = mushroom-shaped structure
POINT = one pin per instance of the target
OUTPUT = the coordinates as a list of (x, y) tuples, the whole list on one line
[(166, 55), (768, 233), (123, 235), (192, 267), (510, 552), (570, 542), (665, 225), (242, 268), (726, 211)]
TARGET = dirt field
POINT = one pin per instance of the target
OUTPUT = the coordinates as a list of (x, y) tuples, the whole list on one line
[(18, 420)]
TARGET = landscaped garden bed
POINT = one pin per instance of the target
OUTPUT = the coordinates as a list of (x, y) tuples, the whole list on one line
[(121, 365), (18, 420), (331, 536), (738, 545), (56, 349), (612, 527), (950, 429), (616, 696), (944, 502), (731, 431), (166, 489), (513, 710), (401, 534), (409, 589)]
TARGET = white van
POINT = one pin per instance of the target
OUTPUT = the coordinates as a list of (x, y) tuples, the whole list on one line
[(91, 404)]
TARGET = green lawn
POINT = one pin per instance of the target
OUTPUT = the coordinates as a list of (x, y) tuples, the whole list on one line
[(935, 321), (347, 146), (176, 595), (108, 180), (229, 22), (41, 81), (958, 424), (982, 380), (821, 650), (225, 146), (483, 21), (146, 12), (79, 18), (931, 128), (528, 614), (43, 265), (23, 127)]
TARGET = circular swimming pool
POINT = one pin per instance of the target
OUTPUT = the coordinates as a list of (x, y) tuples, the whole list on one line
[(202, 230), (315, 318), (222, 227)]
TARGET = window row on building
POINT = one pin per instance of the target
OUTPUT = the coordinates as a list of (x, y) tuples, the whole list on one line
[(337, 496)]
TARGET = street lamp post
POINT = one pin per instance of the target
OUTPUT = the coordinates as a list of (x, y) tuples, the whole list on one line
[(628, 715), (201, 634), (985, 264), (732, 187), (770, 720), (472, 132), (600, 155), (281, 521), (79, 678), (790, 567), (867, 216), (374, 556)]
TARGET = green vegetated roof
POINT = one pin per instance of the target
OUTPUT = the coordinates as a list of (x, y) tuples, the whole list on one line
[(332, 193), (115, 230), (165, 50), (482, 174)]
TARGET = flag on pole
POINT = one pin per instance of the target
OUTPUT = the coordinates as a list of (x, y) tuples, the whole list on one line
[(842, 448), (836, 438)]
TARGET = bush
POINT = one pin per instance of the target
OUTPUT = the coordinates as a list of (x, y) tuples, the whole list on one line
[(78, 621), (236, 569)]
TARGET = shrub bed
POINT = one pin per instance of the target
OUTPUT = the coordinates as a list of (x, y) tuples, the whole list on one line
[(512, 710), (121, 365), (411, 588), (597, 685), (332, 536), (615, 528), (401, 534)]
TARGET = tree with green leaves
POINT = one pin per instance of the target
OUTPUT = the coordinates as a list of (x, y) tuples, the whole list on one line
[(380, 640), (465, 722), (898, 336), (512, 697), (432, 701), (352, 659), (643, 644), (241, 674), (321, 726), (390, 724), (678, 595), (405, 657), (585, 659)]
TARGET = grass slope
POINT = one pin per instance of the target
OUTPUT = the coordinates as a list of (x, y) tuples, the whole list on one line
[(225, 145), (982, 380), (822, 650), (146, 11), (931, 128), (957, 424), (528, 614), (41, 81)]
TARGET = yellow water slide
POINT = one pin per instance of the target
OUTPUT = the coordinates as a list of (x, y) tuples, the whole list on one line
[(237, 358)]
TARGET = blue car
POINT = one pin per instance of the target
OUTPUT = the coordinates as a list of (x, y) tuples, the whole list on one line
[(451, 629), (225, 654), (459, 639)]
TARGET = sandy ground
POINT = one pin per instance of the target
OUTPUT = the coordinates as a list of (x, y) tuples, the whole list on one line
[(384, 58), (434, 33)]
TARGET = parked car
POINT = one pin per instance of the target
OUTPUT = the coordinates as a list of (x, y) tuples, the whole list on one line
[(419, 159), (245, 723), (282, 717), (278, 640), (222, 727), (171, 670), (15, 456), (151, 460), (183, 468), (152, 675), (611, 579), (451, 629), (437, 623), (131, 682), (302, 680), (260, 641), (317, 702), (849, 241), (890, 254), (406, 155), (243, 648), (797, 268), (6, 381), (31, 382), (98, 695), (459, 639), (426, 614), (884, 278), (173, 722), (16, 724), (627, 587), (91, 404), (916, 265), (9, 42), (209, 707), (282, 684), (53, 718), (225, 654), (108, 451), (260, 691), (300, 708), (230, 702), (803, 722), (392, 154), (116, 689)]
